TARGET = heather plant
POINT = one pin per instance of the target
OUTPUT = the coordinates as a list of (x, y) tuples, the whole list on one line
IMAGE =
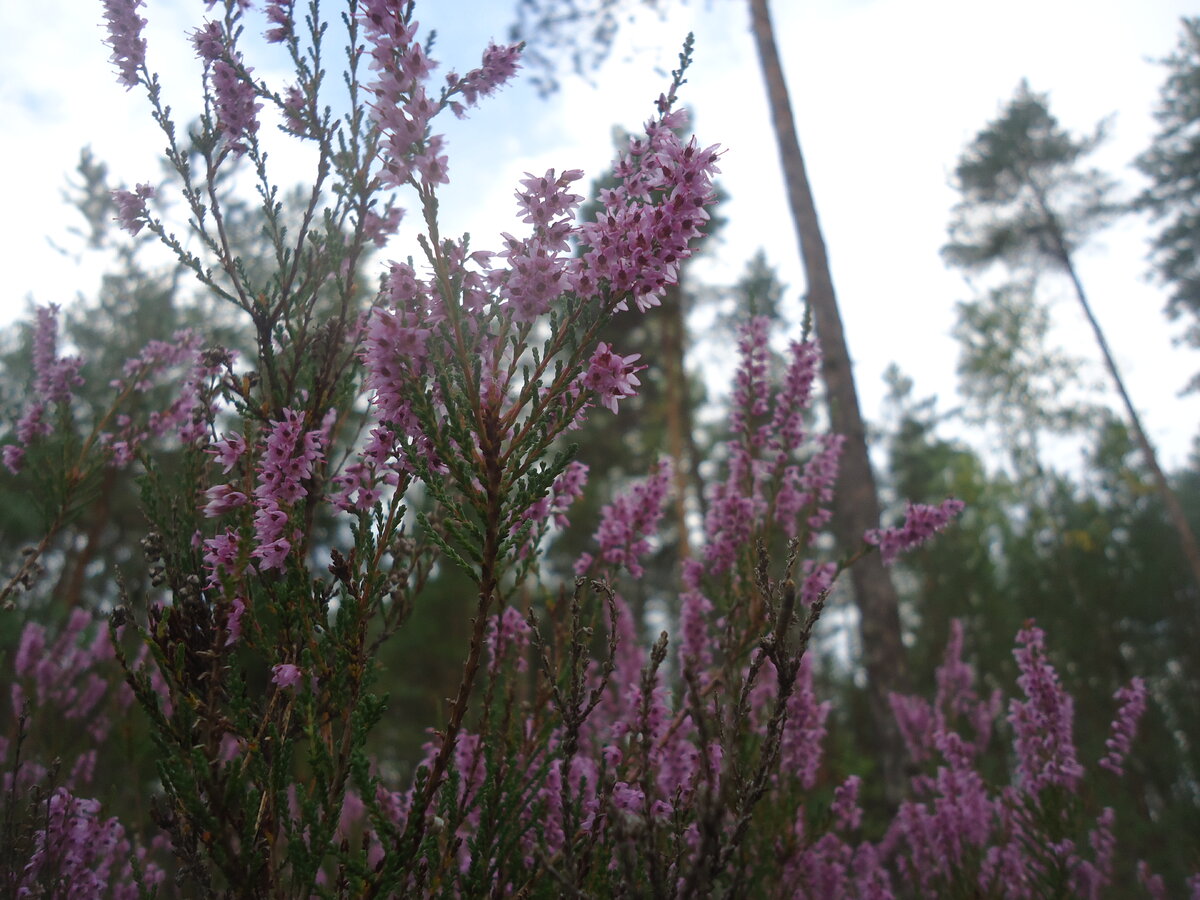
[(371, 442)]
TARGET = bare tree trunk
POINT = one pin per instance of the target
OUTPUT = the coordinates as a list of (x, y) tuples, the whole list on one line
[(857, 502), (1187, 540)]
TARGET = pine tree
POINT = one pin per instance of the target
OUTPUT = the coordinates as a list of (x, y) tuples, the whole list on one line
[(1172, 163), (1028, 203)]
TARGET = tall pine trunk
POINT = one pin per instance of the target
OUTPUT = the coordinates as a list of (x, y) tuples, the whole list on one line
[(856, 506), (1175, 513)]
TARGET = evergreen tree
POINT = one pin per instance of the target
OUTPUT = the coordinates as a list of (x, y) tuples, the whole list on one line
[(1028, 203), (1172, 163)]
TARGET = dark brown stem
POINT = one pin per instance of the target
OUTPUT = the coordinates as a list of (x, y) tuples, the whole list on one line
[(489, 583)]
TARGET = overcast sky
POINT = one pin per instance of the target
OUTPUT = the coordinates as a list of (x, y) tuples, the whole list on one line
[(886, 95)]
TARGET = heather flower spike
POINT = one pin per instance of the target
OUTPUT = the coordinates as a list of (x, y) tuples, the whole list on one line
[(125, 38), (921, 522), (131, 207)]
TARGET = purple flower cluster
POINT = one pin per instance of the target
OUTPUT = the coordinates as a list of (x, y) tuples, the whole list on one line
[(54, 381), (627, 524), (644, 232), (287, 460), (402, 109), (131, 207), (125, 38), (508, 638), (78, 851), (959, 833), (209, 41), (1132, 698), (54, 378), (234, 94), (1042, 723), (236, 102), (921, 522), (75, 850), (279, 14), (178, 365), (611, 377), (763, 477), (63, 673), (286, 676), (498, 66), (552, 508), (800, 751)]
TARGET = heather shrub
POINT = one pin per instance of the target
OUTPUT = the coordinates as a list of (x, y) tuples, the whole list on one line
[(373, 440)]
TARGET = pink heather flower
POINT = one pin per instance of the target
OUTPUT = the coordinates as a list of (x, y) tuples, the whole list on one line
[(818, 580), (537, 277), (1151, 883), (53, 378), (14, 458), (288, 461), (612, 377), (938, 835), (209, 41), (295, 107), (394, 353), (378, 228), (359, 483), (125, 37), (787, 424), (508, 633), (644, 232), (273, 554), (567, 488), (847, 814), (820, 474), (955, 678), (76, 850), (1042, 724), (233, 621), (236, 102), (131, 207), (222, 498), (286, 676), (695, 638), (499, 65), (228, 450), (1132, 698), (221, 556), (627, 522), (804, 731), (920, 524), (279, 14), (915, 719), (545, 198), (731, 517), (1089, 879), (751, 385)]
